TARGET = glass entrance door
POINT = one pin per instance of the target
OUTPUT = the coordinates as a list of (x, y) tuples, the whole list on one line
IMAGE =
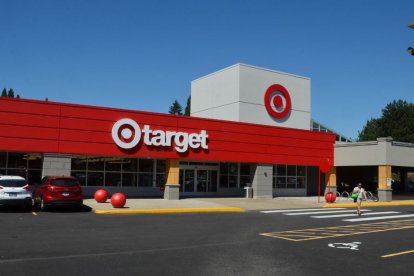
[(194, 180)]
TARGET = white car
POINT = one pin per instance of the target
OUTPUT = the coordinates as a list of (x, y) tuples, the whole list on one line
[(14, 190)]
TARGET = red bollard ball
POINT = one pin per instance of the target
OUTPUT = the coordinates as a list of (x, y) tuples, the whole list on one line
[(330, 197), (101, 196), (118, 200)]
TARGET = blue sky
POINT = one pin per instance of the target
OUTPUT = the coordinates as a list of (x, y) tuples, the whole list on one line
[(143, 55)]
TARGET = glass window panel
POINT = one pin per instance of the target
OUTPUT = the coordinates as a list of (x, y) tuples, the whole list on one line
[(232, 181), (244, 169), (78, 163), (95, 179), (301, 170), (2, 171), (223, 181), (161, 166), (181, 179), (281, 170), (291, 182), (301, 183), (35, 160), (244, 181), (212, 186), (95, 164), (17, 160), (189, 181), (146, 165), (3, 159), (34, 176), (224, 169), (81, 176), (160, 179), (211, 164), (233, 169), (281, 182), (130, 165), (113, 164), (129, 179), (113, 179), (291, 170), (145, 180)]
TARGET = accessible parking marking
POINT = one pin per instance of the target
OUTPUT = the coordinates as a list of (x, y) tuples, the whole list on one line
[(340, 231)]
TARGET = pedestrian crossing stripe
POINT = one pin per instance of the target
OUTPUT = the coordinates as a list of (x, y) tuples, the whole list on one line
[(340, 231)]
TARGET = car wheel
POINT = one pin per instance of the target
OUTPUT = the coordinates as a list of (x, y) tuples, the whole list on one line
[(43, 206)]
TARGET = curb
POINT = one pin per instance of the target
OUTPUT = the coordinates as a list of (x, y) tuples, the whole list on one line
[(168, 211), (373, 204)]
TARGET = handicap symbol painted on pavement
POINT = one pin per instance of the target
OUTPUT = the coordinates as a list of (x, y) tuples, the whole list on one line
[(345, 245)]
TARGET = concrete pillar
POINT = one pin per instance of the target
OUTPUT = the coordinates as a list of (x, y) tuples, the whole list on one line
[(330, 181), (384, 180), (262, 181), (172, 187), (56, 164)]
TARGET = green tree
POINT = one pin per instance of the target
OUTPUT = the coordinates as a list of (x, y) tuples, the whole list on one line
[(187, 111), (397, 121), (176, 108), (4, 92), (10, 94)]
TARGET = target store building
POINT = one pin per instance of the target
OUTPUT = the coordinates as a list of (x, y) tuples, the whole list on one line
[(249, 127)]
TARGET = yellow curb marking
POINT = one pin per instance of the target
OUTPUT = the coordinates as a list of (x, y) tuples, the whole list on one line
[(340, 231), (397, 254), (165, 211)]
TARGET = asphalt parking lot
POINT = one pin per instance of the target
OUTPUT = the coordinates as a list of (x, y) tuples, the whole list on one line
[(83, 243)]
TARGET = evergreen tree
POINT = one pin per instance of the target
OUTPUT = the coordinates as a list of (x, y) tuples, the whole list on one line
[(18, 96), (176, 108), (4, 92), (188, 107), (10, 94), (397, 121)]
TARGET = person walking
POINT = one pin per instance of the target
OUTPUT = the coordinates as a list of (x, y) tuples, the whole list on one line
[(361, 195)]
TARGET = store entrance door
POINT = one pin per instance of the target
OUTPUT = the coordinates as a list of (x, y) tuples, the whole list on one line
[(198, 180)]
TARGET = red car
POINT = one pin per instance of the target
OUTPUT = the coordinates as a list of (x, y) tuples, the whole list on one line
[(58, 190)]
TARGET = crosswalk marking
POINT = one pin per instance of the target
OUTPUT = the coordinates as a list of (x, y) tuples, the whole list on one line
[(379, 218), (322, 212), (341, 213), (295, 210), (353, 215)]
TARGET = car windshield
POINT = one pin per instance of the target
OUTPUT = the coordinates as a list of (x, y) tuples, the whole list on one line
[(15, 183), (65, 182)]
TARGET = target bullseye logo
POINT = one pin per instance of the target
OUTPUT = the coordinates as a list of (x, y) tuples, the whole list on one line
[(126, 133), (277, 101)]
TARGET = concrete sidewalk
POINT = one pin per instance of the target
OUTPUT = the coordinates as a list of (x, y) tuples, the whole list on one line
[(186, 205)]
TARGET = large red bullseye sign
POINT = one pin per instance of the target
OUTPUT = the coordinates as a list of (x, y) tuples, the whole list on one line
[(277, 101)]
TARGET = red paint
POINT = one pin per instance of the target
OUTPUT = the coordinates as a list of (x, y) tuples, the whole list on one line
[(118, 200), (39, 126), (330, 197), (101, 196)]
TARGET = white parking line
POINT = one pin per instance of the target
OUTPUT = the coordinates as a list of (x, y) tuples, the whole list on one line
[(379, 218), (353, 215), (296, 210), (322, 212)]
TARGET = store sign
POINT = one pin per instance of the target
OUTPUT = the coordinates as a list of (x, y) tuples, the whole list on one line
[(277, 101), (126, 133)]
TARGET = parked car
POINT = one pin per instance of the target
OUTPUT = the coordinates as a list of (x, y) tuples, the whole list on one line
[(14, 191), (58, 190)]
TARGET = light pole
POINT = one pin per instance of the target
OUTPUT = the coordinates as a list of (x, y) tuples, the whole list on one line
[(410, 50)]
